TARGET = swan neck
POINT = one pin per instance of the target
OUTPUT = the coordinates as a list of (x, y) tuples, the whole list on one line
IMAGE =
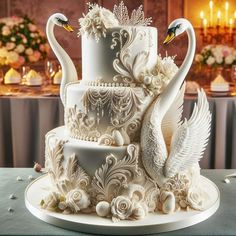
[(169, 94), (69, 73)]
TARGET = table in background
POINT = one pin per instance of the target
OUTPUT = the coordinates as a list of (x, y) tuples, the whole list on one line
[(21, 222), (24, 121), (221, 150)]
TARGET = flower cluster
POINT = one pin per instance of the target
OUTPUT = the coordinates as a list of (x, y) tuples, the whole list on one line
[(156, 79), (75, 201), (216, 55), (21, 41), (97, 21)]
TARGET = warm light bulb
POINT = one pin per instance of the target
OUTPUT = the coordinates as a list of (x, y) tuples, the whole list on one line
[(231, 21), (235, 14), (205, 22), (226, 5), (218, 14), (201, 14), (211, 4)]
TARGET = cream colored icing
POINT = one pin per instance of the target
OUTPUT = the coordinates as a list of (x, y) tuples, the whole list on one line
[(12, 77), (33, 78), (219, 84)]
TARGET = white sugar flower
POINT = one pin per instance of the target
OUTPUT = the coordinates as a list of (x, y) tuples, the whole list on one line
[(97, 21), (77, 200), (197, 198), (121, 208), (51, 201)]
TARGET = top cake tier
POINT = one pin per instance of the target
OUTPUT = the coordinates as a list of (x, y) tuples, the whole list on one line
[(116, 47), (120, 56)]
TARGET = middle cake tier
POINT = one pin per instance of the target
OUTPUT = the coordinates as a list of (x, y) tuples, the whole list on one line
[(107, 115)]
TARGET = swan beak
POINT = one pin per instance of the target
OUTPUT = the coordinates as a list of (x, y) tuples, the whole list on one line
[(170, 36), (68, 28)]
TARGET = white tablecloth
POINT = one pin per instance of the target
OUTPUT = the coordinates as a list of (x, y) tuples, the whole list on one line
[(24, 122), (221, 150)]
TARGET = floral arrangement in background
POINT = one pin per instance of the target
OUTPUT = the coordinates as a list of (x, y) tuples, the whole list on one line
[(21, 41), (216, 55)]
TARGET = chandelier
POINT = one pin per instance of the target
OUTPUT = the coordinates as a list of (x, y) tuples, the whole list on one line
[(217, 26)]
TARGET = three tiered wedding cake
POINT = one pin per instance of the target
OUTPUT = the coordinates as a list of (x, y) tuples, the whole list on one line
[(124, 151)]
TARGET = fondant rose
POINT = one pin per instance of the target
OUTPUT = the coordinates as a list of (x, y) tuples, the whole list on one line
[(77, 200), (51, 201), (197, 198), (121, 207), (97, 21)]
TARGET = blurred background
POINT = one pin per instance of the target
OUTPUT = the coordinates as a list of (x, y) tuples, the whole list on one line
[(30, 74)]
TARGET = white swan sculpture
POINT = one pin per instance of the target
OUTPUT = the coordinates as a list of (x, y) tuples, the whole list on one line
[(69, 73), (169, 146)]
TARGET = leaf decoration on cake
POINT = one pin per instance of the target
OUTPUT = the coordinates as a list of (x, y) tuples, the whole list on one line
[(75, 174), (137, 16), (114, 174), (54, 157), (127, 67)]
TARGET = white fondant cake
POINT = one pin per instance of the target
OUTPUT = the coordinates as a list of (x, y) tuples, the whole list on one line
[(33, 78), (12, 77), (124, 151), (219, 84)]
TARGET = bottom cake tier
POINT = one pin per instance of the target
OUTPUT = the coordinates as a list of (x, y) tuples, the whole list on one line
[(91, 223), (112, 182), (90, 155)]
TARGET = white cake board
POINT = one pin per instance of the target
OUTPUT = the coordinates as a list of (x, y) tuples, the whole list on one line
[(91, 223)]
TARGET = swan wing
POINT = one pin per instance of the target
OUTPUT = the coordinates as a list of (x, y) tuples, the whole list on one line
[(172, 119), (190, 139)]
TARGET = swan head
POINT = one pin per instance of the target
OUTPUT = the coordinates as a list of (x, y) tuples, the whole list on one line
[(176, 28), (62, 21)]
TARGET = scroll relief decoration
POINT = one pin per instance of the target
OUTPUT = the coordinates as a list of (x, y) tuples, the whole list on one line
[(124, 108), (111, 117), (80, 125), (127, 67), (70, 182), (120, 189)]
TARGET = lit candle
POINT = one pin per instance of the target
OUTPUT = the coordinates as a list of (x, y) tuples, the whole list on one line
[(226, 13), (218, 17), (230, 25), (211, 12), (202, 17), (205, 27)]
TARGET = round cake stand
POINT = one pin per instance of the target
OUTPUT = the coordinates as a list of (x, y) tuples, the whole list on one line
[(91, 223)]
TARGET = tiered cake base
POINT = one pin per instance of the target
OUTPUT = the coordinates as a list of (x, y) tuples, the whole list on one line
[(91, 223)]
